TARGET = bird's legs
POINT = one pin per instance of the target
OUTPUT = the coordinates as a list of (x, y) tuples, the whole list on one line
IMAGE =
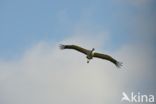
[(88, 60)]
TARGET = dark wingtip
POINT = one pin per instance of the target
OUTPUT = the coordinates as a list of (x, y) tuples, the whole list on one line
[(62, 46), (118, 64)]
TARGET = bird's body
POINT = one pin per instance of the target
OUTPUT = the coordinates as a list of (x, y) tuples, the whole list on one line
[(90, 54)]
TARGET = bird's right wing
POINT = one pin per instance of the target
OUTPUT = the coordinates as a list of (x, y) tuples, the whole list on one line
[(107, 57), (75, 47)]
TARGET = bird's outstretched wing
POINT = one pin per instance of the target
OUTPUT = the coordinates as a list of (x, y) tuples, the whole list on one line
[(75, 47), (107, 57)]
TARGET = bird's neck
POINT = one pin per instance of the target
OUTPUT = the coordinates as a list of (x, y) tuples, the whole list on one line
[(92, 50)]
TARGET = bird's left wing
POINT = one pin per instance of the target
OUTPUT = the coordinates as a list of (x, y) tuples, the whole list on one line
[(75, 47), (107, 57)]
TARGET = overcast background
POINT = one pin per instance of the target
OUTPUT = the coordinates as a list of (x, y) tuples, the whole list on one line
[(34, 71)]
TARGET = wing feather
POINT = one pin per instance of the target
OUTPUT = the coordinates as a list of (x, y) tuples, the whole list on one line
[(107, 57), (75, 47)]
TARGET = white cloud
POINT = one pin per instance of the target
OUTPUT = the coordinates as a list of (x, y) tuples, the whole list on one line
[(48, 75)]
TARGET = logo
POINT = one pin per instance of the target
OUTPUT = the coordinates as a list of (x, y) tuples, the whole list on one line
[(137, 98)]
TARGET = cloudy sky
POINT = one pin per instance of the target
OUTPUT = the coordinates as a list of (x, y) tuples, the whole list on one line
[(34, 71)]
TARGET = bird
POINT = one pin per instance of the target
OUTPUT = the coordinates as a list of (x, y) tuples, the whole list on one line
[(90, 54)]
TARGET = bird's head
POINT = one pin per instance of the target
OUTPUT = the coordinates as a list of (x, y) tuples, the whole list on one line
[(93, 49)]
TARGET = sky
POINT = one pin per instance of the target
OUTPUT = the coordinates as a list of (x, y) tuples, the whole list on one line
[(33, 70)]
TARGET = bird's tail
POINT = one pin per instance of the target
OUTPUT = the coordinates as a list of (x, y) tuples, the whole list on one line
[(62, 46), (118, 64)]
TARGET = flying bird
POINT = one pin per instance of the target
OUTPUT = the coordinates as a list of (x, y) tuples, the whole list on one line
[(90, 54)]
